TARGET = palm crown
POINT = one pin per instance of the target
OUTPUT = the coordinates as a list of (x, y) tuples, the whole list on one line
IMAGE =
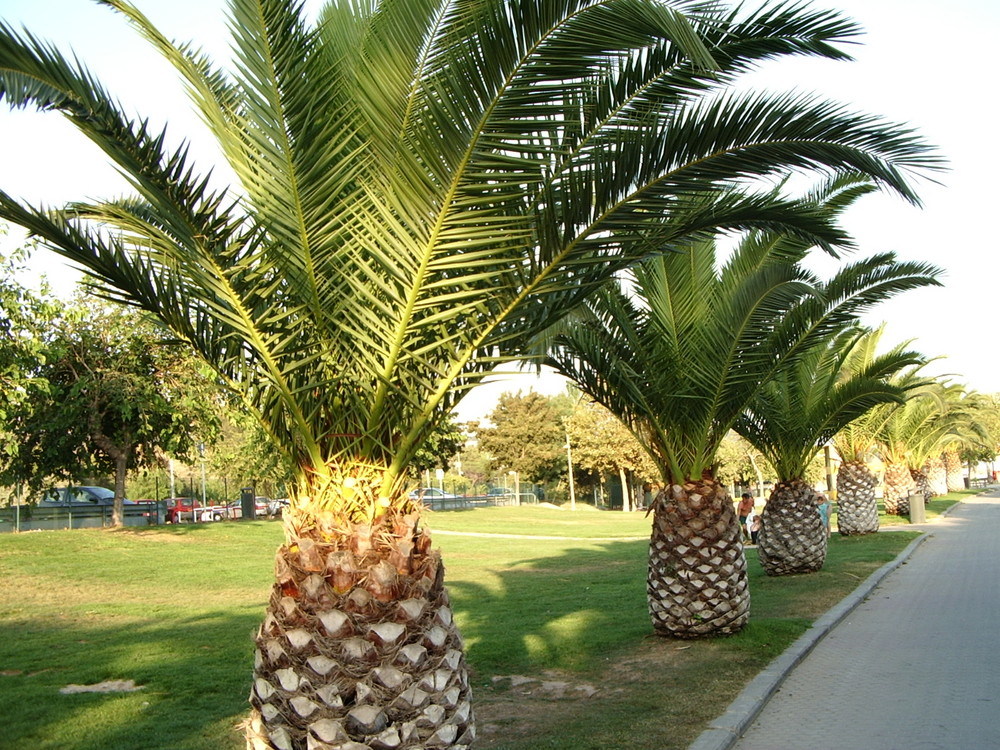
[(424, 185), (804, 405), (682, 351)]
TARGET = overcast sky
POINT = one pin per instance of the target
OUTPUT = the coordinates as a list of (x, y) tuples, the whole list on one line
[(927, 63)]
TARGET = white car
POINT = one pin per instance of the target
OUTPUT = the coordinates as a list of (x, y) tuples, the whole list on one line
[(428, 494)]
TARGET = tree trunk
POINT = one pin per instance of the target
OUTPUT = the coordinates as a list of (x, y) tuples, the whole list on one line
[(857, 510), (898, 488), (922, 484), (937, 476), (792, 535), (358, 649), (697, 580), (626, 500), (953, 470)]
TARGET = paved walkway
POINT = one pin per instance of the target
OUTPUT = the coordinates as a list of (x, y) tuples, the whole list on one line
[(909, 662)]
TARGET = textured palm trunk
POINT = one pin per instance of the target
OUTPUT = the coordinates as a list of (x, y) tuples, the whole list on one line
[(358, 649), (937, 476), (923, 485), (792, 535), (697, 580), (953, 470), (857, 509), (898, 488)]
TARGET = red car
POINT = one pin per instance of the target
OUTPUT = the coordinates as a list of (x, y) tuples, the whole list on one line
[(180, 509)]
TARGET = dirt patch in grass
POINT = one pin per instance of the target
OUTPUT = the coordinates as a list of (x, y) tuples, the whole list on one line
[(639, 700)]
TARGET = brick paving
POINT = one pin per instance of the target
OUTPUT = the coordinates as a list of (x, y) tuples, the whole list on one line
[(910, 662)]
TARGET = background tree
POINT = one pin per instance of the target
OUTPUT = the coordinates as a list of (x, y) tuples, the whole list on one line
[(26, 323), (739, 464), (526, 436), (422, 188), (603, 445), (116, 393)]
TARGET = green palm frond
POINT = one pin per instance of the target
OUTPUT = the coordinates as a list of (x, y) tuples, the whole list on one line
[(685, 361), (804, 405), (421, 187)]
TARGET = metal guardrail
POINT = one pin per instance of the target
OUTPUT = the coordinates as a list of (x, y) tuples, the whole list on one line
[(464, 502), (34, 518)]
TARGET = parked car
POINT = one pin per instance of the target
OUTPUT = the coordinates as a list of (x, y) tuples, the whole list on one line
[(180, 509), (276, 508), (260, 503), (498, 492), (83, 497), (428, 494)]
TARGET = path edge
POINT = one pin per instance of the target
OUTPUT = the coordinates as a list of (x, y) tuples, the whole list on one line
[(723, 732)]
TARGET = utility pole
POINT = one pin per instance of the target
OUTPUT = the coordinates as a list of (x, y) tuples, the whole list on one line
[(569, 464)]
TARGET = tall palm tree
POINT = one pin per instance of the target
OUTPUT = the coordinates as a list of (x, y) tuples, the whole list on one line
[(422, 187), (792, 417), (677, 352)]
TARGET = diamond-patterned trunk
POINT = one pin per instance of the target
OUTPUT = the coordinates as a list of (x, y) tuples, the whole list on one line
[(358, 649), (857, 510), (953, 470), (697, 580), (936, 475), (792, 535), (898, 487), (923, 485)]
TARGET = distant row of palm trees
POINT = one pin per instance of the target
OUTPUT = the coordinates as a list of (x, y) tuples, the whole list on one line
[(422, 190)]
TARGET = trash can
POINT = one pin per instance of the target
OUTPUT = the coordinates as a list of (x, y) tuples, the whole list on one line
[(917, 514), (247, 504)]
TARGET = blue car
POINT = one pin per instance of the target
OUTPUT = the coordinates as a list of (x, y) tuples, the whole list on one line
[(79, 497)]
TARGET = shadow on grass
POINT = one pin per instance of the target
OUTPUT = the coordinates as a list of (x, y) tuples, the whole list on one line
[(555, 612), (195, 672)]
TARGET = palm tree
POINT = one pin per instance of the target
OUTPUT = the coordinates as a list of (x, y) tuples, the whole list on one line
[(907, 435), (792, 417), (932, 421), (680, 362), (422, 187), (856, 445)]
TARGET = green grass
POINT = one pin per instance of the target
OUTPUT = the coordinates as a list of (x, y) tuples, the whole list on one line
[(174, 609)]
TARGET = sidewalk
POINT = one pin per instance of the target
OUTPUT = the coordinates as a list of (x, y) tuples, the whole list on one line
[(910, 661)]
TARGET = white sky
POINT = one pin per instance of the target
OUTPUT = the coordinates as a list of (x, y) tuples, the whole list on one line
[(927, 63)]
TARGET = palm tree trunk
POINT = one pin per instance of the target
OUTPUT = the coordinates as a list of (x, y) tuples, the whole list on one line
[(923, 485), (898, 487), (358, 648), (953, 470), (857, 510), (792, 534), (936, 475), (697, 580)]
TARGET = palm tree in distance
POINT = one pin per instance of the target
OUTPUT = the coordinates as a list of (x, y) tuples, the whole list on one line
[(422, 187), (792, 417), (678, 352), (857, 444)]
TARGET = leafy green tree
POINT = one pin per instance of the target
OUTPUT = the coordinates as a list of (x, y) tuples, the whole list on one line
[(526, 436), (678, 351), (115, 393), (423, 186), (603, 445), (739, 463), (26, 322)]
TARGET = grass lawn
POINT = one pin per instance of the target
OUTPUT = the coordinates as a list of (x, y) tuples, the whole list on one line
[(556, 631)]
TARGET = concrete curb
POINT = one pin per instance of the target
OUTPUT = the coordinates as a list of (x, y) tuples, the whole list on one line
[(723, 732)]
